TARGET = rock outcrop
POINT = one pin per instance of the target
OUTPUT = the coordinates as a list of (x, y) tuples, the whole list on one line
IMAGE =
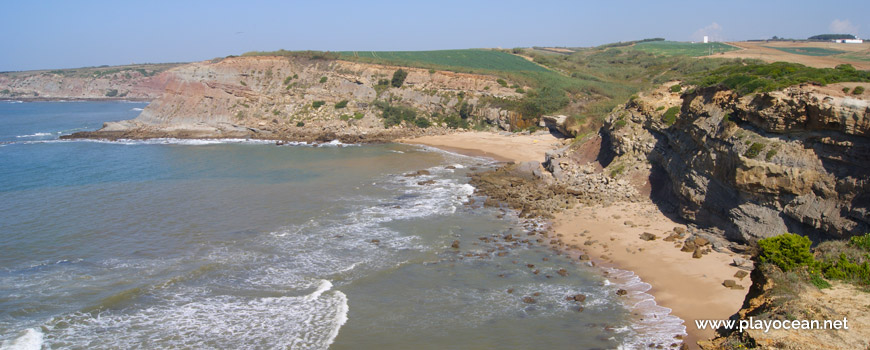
[(303, 99), (755, 166)]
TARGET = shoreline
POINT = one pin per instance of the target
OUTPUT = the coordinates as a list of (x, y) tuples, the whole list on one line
[(690, 288)]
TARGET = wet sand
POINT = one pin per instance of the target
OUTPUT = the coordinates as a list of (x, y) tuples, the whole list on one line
[(515, 148)]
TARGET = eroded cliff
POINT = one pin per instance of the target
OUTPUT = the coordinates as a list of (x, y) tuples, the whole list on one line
[(752, 166), (302, 99)]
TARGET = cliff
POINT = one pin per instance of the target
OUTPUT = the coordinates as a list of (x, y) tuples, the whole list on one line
[(133, 82), (749, 167), (305, 99)]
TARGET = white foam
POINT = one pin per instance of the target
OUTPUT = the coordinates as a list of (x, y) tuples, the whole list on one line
[(654, 323), (30, 339), (323, 287), (137, 109), (194, 319), (39, 134)]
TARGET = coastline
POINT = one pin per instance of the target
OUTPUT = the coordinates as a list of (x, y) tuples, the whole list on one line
[(691, 288), (513, 148)]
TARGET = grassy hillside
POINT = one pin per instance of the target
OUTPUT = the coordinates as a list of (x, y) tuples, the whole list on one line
[(676, 48), (463, 59)]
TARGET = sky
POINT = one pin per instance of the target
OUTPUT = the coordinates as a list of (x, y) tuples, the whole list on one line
[(67, 34)]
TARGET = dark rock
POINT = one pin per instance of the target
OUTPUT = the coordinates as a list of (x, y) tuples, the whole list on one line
[(623, 291), (418, 173), (529, 300), (430, 182), (579, 297), (729, 283), (455, 244), (697, 253), (562, 272), (741, 274)]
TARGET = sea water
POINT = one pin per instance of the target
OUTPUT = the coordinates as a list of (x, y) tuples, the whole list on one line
[(235, 244)]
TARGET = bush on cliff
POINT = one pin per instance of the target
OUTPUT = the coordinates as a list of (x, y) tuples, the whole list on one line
[(760, 77), (399, 78), (787, 251)]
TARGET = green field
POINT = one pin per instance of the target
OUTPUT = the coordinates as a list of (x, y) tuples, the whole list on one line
[(678, 48), (808, 51), (469, 59)]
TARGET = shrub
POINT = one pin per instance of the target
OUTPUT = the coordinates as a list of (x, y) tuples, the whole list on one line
[(465, 110), (358, 115), (300, 124), (431, 71), (276, 112), (754, 150), (398, 78), (322, 80), (858, 90), (861, 242), (670, 116), (520, 90), (676, 88), (819, 282), (341, 104), (422, 122), (770, 154), (787, 251), (394, 115), (243, 83), (501, 82), (344, 117), (317, 104), (846, 90), (288, 79), (112, 93), (660, 108)]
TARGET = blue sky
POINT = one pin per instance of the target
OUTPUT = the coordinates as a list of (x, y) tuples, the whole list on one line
[(65, 34)]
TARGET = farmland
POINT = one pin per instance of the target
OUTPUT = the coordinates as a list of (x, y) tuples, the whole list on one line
[(675, 48), (488, 60), (809, 51)]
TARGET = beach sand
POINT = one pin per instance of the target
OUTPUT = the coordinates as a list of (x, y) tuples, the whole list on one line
[(691, 288), (515, 148)]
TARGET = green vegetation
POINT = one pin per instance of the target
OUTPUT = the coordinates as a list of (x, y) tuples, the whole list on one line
[(770, 154), (829, 37), (395, 115), (808, 51), (398, 78), (845, 90), (112, 93), (4, 92), (311, 55), (676, 48), (746, 79), (317, 104), (676, 88), (858, 90), (341, 104), (754, 150), (451, 59), (833, 260), (300, 124), (787, 251), (501, 82), (670, 116), (243, 83), (322, 80)]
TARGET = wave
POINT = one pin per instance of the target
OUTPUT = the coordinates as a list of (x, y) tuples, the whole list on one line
[(652, 323), (137, 109), (38, 134), (30, 339)]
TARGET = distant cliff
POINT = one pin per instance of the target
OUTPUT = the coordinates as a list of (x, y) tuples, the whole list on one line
[(133, 82), (303, 98)]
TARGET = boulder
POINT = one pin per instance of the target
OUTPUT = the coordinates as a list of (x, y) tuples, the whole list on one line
[(697, 254), (646, 236), (623, 292), (529, 300), (556, 123)]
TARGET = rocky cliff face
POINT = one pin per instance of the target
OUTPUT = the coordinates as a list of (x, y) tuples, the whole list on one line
[(298, 98), (135, 82), (796, 160)]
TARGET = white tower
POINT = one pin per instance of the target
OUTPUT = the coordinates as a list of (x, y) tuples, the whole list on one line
[(706, 39)]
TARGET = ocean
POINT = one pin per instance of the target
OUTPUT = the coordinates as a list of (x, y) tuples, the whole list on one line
[(238, 244)]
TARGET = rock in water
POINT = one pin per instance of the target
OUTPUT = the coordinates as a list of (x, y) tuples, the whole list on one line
[(455, 244)]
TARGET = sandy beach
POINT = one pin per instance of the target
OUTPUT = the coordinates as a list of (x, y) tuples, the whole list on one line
[(692, 288), (513, 148)]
